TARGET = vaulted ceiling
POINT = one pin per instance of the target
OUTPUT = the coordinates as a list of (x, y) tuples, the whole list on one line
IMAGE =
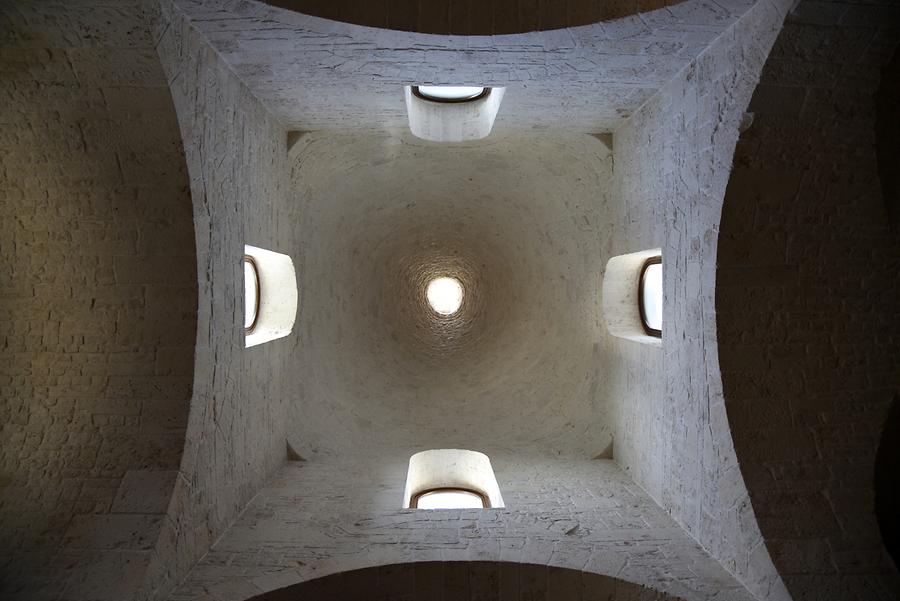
[(147, 454)]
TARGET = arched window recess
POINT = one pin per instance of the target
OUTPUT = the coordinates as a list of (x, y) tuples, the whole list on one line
[(451, 479), (633, 297), (270, 295)]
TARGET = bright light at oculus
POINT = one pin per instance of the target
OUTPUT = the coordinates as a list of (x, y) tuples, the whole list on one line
[(251, 294), (445, 295), (453, 93), (449, 499), (652, 291)]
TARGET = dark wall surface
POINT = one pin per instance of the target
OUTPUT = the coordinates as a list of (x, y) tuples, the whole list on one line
[(807, 292), (98, 302)]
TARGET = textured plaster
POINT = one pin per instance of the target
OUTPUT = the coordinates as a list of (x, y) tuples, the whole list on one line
[(317, 74), (526, 219), (325, 518), (235, 152), (672, 159), (520, 221)]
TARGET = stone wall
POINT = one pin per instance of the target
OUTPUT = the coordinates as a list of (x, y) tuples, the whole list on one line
[(471, 17), (235, 438), (466, 581), (681, 449), (672, 160), (98, 302), (321, 518), (317, 75), (807, 293)]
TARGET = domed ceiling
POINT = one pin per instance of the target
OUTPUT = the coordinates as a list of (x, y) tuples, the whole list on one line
[(520, 220), (612, 137)]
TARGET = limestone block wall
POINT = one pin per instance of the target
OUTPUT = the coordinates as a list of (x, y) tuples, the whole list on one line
[(672, 163), (466, 581), (468, 17), (235, 152), (98, 299), (807, 293), (321, 518)]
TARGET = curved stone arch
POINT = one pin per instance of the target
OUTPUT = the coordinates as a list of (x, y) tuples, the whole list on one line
[(302, 526), (806, 290), (316, 74), (687, 510), (231, 449), (464, 581), (463, 17), (235, 435)]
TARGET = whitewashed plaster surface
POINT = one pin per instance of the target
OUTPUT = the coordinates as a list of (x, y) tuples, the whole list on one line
[(520, 220), (684, 134), (235, 152), (318, 74), (327, 517), (673, 85), (673, 158)]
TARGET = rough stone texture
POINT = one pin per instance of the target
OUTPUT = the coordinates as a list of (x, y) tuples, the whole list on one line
[(519, 365), (674, 83), (236, 157), (471, 17), (466, 581), (807, 294), (325, 518), (672, 163), (98, 300), (691, 481), (316, 74)]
